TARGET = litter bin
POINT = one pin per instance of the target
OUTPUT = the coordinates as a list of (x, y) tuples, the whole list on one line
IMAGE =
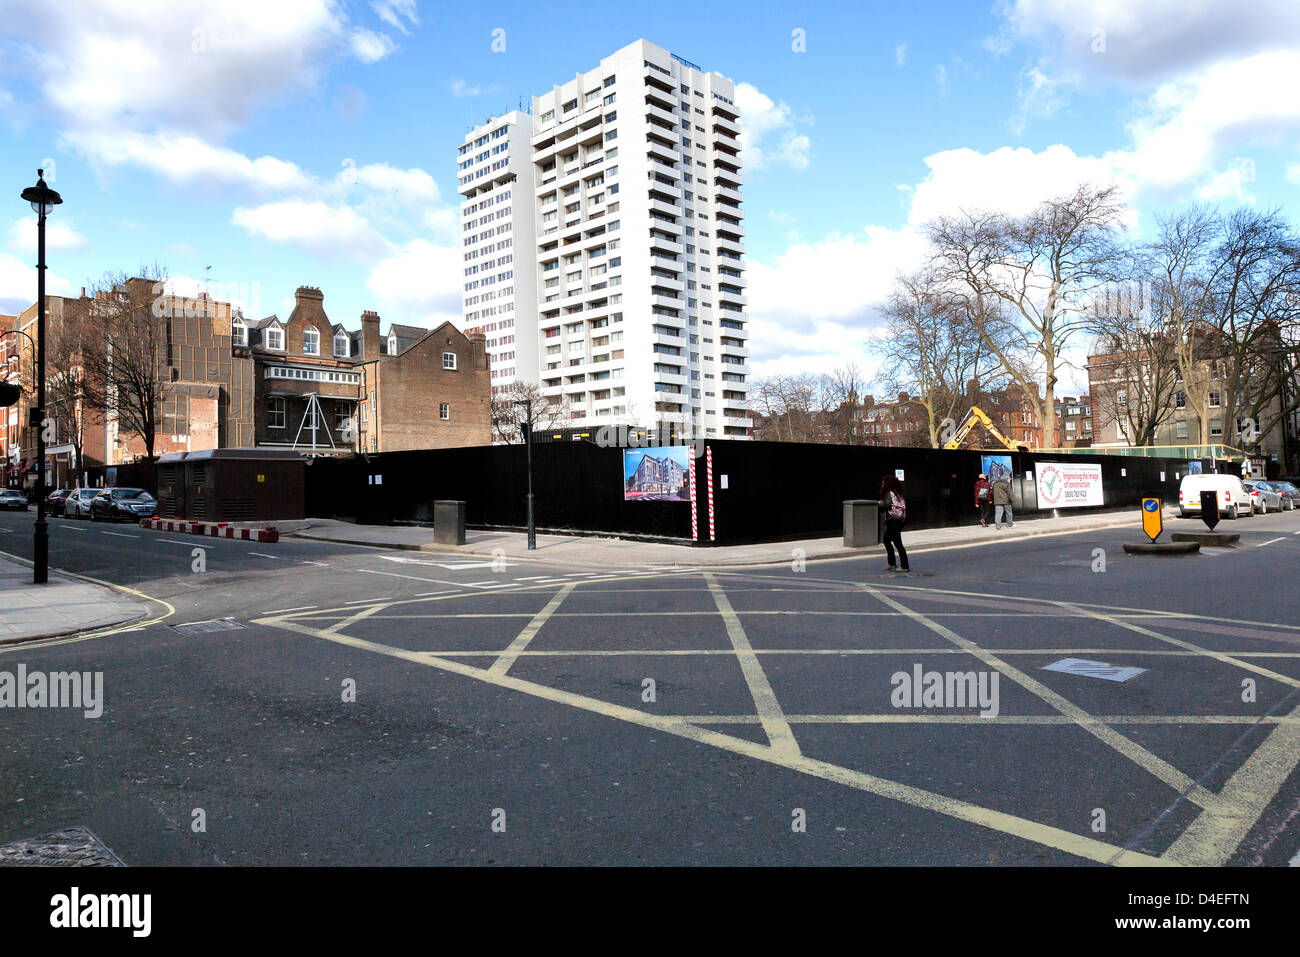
[(449, 522), (861, 522)]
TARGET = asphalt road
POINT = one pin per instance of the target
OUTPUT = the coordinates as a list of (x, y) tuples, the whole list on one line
[(504, 714)]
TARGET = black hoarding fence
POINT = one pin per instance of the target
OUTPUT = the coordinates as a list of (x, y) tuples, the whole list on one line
[(774, 491)]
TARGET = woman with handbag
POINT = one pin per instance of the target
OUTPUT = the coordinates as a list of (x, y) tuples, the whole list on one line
[(894, 506)]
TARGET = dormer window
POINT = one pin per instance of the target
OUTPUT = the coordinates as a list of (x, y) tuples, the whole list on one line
[(310, 341), (275, 339), (392, 345), (239, 333), (342, 345)]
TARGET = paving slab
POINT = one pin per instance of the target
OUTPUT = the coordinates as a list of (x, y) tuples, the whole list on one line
[(62, 606)]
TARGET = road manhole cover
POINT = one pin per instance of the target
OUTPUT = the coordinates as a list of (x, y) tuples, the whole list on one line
[(207, 627), (71, 847)]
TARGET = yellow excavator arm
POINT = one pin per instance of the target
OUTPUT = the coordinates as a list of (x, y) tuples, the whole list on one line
[(976, 414)]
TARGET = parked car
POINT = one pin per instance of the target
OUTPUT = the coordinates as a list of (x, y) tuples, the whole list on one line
[(54, 501), (78, 503), (1231, 495), (117, 504), (13, 500), (1290, 494), (1263, 496)]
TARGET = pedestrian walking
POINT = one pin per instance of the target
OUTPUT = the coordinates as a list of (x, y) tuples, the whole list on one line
[(984, 499), (1002, 503), (893, 502)]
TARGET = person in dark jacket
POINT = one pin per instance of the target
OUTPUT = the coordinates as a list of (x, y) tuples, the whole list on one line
[(893, 505), (984, 499), (1002, 503)]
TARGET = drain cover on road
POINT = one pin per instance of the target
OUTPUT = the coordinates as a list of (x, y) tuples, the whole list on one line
[(207, 627), (1093, 669), (71, 847)]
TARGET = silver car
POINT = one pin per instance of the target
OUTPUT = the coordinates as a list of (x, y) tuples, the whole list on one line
[(78, 503), (1290, 494), (1264, 497)]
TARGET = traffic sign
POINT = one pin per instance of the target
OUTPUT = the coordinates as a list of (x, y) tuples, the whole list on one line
[(1152, 518), (1210, 508)]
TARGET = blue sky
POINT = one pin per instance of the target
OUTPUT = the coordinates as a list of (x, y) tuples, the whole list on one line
[(313, 142)]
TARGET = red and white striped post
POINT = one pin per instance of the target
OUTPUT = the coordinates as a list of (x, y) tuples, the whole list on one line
[(695, 520), (708, 461)]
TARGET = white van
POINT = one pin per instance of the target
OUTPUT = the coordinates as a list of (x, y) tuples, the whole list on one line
[(1232, 496)]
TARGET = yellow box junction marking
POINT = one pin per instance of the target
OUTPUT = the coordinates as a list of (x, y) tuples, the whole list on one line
[(1225, 819)]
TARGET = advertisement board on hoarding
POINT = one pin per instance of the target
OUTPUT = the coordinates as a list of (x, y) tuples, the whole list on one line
[(996, 467), (659, 474), (1068, 485)]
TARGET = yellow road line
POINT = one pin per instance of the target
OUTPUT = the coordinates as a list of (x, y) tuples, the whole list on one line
[(1027, 830), (1152, 764), (354, 618), (522, 640), (1188, 646), (510, 590), (974, 719), (769, 709), (136, 625), (1211, 839)]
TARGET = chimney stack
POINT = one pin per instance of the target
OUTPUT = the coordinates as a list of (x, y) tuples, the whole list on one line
[(369, 335)]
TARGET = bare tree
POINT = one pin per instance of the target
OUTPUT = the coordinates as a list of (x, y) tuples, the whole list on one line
[(1135, 367), (1256, 298), (65, 377), (1043, 269), (126, 378), (932, 348), (548, 412)]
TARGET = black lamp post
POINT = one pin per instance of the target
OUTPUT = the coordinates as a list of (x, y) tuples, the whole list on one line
[(43, 200), (528, 436)]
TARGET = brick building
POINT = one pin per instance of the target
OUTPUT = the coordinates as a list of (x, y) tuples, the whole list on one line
[(208, 400), (75, 424), (322, 388), (426, 388), (234, 383), (1073, 422)]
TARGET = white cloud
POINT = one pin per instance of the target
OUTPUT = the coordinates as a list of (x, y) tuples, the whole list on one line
[(331, 231), (1038, 95), (900, 54), (201, 66), (764, 122), (1140, 42), (184, 158), (59, 237), (461, 88), (1185, 125), (370, 47), (393, 12), (18, 284), (941, 80), (1230, 183), (812, 308), (420, 279), (1008, 179)]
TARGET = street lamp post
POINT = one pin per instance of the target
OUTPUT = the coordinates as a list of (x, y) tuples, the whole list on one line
[(528, 436), (43, 200)]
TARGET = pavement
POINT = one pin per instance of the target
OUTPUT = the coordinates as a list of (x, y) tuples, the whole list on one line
[(594, 550), (61, 606)]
